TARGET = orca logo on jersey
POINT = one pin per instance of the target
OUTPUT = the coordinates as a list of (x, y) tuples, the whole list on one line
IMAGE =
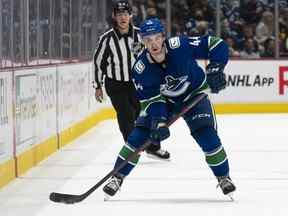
[(174, 42), (173, 83), (174, 86)]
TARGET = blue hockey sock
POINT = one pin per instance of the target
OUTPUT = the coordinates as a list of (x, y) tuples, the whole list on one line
[(123, 154), (135, 140), (215, 155)]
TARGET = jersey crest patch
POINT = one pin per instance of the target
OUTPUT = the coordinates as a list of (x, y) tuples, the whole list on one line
[(174, 42), (139, 67), (175, 87)]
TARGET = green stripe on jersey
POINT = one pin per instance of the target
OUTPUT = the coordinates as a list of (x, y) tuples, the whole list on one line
[(146, 103), (126, 151), (213, 42), (216, 158)]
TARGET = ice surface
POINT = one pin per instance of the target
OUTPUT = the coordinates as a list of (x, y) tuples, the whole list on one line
[(257, 147)]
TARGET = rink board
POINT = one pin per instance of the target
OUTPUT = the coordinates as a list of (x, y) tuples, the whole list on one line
[(81, 127), (7, 162)]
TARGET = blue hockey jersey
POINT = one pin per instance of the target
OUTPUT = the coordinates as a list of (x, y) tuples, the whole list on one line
[(179, 77)]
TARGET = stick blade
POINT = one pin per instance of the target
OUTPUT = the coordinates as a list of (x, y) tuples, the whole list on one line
[(65, 198)]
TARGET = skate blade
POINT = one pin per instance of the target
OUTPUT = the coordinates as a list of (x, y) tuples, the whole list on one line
[(230, 195), (157, 158), (107, 197)]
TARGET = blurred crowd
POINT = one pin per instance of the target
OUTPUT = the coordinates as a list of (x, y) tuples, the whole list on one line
[(248, 26)]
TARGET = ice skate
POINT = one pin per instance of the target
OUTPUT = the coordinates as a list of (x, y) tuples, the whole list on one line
[(226, 185), (159, 154), (112, 187)]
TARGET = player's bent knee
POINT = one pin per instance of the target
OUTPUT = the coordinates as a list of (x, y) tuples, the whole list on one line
[(138, 137), (207, 138), (200, 116)]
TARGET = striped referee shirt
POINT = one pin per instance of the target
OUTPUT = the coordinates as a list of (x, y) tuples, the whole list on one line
[(113, 56)]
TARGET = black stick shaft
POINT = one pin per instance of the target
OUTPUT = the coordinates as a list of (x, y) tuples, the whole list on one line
[(72, 198)]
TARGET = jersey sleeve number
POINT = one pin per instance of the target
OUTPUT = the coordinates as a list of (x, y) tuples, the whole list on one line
[(194, 41)]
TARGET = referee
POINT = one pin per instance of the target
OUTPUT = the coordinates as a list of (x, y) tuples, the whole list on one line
[(113, 59)]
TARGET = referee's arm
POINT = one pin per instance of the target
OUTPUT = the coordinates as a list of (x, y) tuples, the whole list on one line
[(100, 62)]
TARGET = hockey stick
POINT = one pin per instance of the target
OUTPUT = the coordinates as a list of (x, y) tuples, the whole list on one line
[(72, 198)]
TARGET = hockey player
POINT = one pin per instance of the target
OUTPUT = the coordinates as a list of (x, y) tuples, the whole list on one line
[(167, 77)]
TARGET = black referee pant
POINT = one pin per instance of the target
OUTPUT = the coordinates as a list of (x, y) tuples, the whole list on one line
[(126, 105)]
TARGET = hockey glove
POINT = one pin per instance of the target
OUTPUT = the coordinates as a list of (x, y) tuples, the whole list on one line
[(159, 130), (216, 77)]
